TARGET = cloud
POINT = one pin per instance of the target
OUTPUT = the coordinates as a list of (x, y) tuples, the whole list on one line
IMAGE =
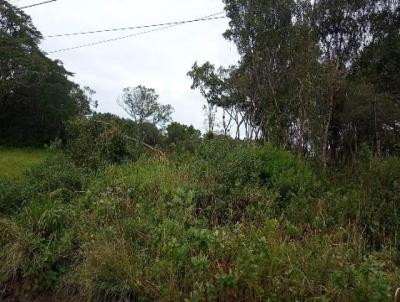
[(159, 60)]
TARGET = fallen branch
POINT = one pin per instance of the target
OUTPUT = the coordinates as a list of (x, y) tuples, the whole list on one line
[(158, 151), (153, 149)]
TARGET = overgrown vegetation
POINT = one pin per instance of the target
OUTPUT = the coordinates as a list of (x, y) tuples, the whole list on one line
[(230, 222), (306, 208)]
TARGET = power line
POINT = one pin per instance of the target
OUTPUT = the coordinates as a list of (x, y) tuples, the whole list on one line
[(137, 34), (111, 40), (131, 27), (37, 4)]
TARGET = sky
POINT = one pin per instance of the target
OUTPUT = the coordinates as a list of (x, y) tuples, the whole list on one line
[(158, 60)]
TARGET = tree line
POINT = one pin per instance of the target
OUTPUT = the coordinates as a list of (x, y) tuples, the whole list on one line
[(39, 102), (316, 77), (319, 78), (36, 93)]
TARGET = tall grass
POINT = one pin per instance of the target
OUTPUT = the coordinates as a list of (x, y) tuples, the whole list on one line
[(231, 223)]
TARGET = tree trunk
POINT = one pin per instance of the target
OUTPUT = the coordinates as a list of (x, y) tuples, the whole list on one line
[(324, 151), (377, 130)]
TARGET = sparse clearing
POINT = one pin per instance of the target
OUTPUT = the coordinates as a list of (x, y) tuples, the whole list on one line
[(14, 161)]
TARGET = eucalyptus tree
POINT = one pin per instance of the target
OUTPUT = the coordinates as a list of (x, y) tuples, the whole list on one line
[(262, 32), (314, 76), (142, 105)]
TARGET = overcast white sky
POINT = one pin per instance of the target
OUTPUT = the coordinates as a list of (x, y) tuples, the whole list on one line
[(158, 60)]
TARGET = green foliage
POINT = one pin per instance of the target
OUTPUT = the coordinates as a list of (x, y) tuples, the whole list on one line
[(232, 222), (103, 139), (318, 77), (14, 162), (12, 195), (37, 244), (37, 237), (92, 142), (142, 105), (182, 138), (56, 178), (141, 246), (36, 95), (235, 169), (371, 200)]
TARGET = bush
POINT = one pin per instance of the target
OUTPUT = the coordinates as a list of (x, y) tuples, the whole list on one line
[(369, 196), (37, 237), (289, 186), (181, 138), (231, 223), (57, 178), (13, 193), (146, 239), (37, 245), (93, 143)]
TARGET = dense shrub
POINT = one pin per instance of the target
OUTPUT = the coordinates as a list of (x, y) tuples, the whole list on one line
[(37, 245), (103, 139), (37, 237), (13, 193), (231, 223), (95, 143), (56, 178), (146, 239), (181, 138), (287, 184), (369, 195)]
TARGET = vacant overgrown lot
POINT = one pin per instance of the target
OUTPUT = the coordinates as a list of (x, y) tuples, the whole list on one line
[(229, 223)]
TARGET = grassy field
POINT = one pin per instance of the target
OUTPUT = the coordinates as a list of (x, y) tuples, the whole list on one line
[(13, 161)]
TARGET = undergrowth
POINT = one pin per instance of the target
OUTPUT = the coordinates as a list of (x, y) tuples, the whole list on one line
[(230, 223)]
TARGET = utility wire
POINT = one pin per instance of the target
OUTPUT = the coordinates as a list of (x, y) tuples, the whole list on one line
[(131, 27), (37, 4), (136, 34), (111, 40)]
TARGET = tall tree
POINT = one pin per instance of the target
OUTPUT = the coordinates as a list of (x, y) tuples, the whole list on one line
[(36, 95), (308, 71), (142, 105)]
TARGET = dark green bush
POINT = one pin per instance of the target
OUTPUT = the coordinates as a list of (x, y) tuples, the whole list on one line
[(57, 177), (95, 143), (37, 239), (37, 245), (369, 196), (13, 193), (148, 239), (181, 138), (214, 151), (103, 139), (284, 179)]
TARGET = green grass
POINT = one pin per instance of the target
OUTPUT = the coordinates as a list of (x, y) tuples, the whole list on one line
[(13, 161), (229, 223)]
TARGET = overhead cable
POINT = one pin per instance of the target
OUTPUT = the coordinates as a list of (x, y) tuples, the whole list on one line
[(131, 27), (135, 34), (37, 4)]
